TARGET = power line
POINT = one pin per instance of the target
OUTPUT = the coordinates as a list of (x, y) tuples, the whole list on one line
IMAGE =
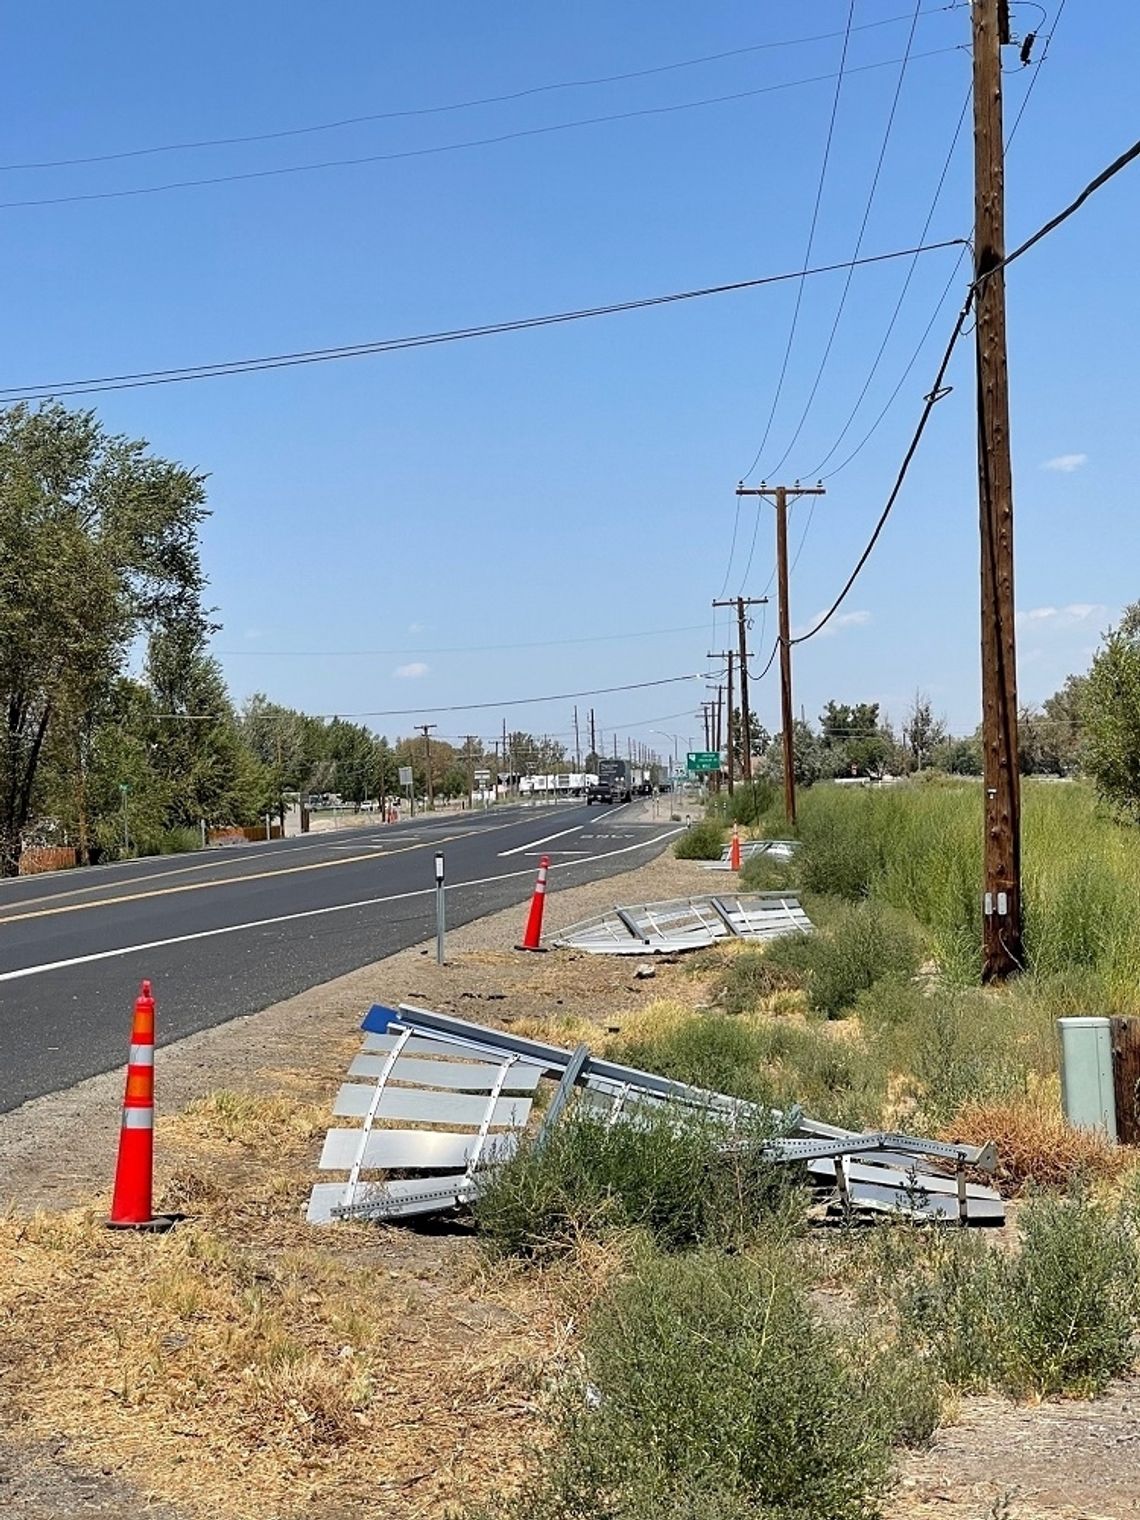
[(141, 378), (937, 391), (873, 429), (440, 148), (812, 474), (858, 248), (560, 696), (807, 255), (598, 638), (461, 105)]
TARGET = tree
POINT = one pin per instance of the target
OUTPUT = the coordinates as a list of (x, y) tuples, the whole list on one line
[(959, 757), (853, 740), (807, 756), (1064, 714), (760, 737), (922, 732), (98, 544), (1110, 706)]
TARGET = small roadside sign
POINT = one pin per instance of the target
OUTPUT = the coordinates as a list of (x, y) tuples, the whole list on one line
[(482, 777), (702, 760), (405, 775)]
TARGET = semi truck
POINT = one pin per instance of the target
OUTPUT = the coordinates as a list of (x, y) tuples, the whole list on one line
[(614, 783)]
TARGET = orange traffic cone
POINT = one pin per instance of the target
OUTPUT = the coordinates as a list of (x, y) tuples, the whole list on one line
[(131, 1205), (532, 939), (734, 855)]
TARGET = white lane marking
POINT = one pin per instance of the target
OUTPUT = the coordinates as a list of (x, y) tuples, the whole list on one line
[(531, 844), (288, 918)]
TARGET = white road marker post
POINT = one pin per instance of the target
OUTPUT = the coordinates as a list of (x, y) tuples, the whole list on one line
[(440, 910)]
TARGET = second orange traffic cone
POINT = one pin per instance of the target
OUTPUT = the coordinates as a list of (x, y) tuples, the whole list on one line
[(734, 855), (532, 939)]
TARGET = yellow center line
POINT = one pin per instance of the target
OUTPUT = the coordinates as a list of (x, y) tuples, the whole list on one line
[(236, 881), (219, 862)]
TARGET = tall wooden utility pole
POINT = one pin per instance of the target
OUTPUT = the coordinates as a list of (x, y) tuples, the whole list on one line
[(1002, 949), (468, 741), (728, 655), (593, 739), (577, 743), (740, 603), (425, 729), (780, 495)]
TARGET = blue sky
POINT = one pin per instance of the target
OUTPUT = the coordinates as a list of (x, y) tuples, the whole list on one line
[(382, 521)]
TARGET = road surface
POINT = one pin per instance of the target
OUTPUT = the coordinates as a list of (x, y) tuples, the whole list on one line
[(228, 932)]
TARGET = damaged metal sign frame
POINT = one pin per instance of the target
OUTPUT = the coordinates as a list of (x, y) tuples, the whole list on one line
[(476, 1085)]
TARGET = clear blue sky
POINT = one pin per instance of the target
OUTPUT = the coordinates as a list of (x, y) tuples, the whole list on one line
[(576, 481)]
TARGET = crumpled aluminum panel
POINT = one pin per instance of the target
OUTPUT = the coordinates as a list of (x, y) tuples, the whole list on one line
[(687, 923), (863, 1172)]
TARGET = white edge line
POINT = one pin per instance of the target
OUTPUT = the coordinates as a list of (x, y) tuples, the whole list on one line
[(532, 844), (287, 918)]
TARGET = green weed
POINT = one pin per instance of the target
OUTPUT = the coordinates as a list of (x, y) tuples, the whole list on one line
[(863, 943), (711, 1390), (703, 840), (1058, 1317), (660, 1173)]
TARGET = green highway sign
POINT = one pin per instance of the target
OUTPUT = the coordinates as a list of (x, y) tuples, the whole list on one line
[(702, 760)]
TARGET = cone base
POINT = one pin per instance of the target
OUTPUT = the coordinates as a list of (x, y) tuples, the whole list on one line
[(156, 1226), (533, 949)]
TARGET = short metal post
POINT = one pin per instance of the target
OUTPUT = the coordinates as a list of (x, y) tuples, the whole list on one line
[(440, 911), (268, 829), (203, 825)]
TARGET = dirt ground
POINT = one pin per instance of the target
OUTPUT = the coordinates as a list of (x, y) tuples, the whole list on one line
[(250, 1367)]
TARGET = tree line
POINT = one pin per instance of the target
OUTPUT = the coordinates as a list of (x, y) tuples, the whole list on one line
[(117, 733)]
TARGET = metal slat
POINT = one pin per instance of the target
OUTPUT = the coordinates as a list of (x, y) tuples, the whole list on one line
[(355, 1099), (428, 1194), (887, 1176), (464, 1076), (411, 1149), (888, 1200), (418, 1045)]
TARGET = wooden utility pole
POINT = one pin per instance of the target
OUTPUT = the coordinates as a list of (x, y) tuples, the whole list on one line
[(593, 740), (780, 495), (577, 743), (740, 603), (1002, 948), (468, 741), (425, 729), (728, 655)]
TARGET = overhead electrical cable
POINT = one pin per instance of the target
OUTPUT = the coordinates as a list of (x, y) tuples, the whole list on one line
[(937, 390), (941, 301), (560, 696), (597, 638), (492, 140), (816, 472), (807, 254), (858, 249), (141, 378), (530, 91)]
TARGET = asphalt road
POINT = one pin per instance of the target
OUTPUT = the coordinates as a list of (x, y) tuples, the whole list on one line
[(228, 932)]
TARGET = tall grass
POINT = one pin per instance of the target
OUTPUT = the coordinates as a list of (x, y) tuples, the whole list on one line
[(919, 847)]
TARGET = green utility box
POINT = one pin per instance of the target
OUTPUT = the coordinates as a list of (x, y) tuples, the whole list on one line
[(1086, 1074)]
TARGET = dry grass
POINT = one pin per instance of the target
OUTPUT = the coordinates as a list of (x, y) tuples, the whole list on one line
[(1036, 1146), (249, 1366)]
